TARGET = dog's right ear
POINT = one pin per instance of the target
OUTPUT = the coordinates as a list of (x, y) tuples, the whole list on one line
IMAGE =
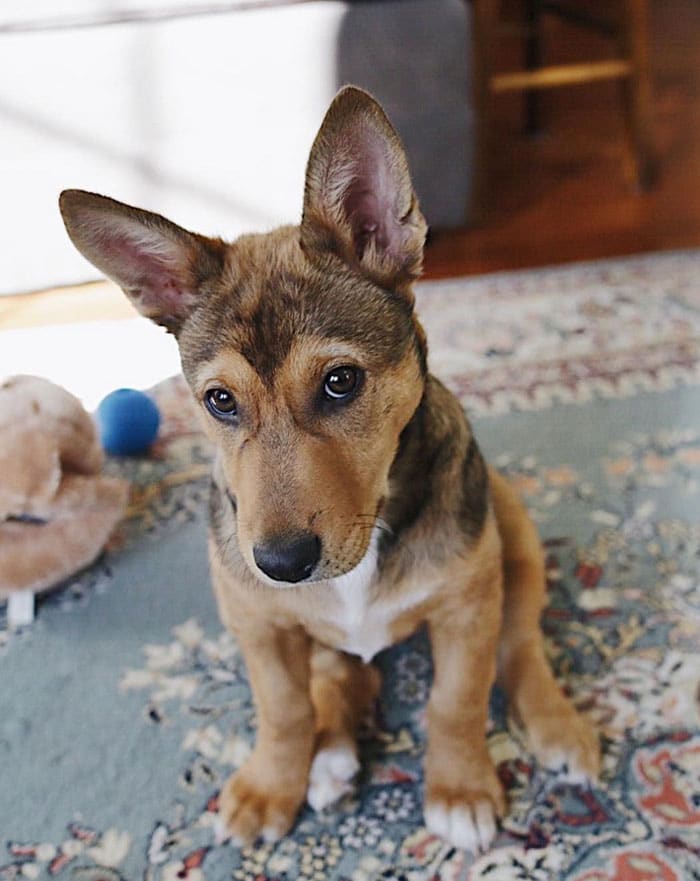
[(158, 265), (359, 202)]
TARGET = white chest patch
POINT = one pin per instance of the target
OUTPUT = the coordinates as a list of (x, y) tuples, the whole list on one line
[(366, 622)]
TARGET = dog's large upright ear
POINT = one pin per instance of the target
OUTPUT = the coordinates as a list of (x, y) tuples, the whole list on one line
[(359, 201), (158, 265)]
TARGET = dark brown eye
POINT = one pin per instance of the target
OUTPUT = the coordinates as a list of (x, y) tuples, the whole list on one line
[(340, 383), (221, 403)]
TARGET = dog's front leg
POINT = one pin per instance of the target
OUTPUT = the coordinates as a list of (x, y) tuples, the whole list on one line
[(463, 795), (263, 797)]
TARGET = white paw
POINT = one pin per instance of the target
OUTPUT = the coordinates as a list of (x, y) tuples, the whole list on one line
[(569, 768), (331, 774), (566, 743), (469, 827), (572, 751), (223, 836)]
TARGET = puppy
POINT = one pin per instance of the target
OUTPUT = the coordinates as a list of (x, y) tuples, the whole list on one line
[(350, 502)]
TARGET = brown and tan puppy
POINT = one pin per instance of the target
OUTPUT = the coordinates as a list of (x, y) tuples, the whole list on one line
[(350, 502)]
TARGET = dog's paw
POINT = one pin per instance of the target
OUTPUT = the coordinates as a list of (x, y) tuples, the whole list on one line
[(249, 810), (330, 778), (466, 816), (568, 744), (470, 826)]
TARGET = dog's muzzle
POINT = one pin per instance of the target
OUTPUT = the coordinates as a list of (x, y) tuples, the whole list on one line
[(289, 558)]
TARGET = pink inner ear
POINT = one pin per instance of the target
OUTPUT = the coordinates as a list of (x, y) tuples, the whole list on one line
[(363, 211), (154, 270), (371, 198)]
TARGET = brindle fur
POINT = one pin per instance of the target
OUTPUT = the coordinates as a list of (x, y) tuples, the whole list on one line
[(414, 526)]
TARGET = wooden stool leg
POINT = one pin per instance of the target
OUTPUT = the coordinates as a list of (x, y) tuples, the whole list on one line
[(483, 43), (637, 94), (533, 60)]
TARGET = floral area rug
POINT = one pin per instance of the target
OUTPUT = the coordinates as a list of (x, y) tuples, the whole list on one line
[(125, 706)]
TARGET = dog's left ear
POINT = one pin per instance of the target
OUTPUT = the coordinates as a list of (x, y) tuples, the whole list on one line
[(160, 266), (359, 202)]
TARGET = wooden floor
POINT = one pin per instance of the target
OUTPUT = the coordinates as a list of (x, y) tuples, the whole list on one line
[(559, 197)]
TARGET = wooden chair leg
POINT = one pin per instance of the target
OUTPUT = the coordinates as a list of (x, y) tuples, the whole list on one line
[(533, 60), (484, 20), (637, 95)]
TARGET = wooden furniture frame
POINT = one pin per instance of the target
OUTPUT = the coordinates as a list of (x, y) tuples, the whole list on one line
[(629, 64)]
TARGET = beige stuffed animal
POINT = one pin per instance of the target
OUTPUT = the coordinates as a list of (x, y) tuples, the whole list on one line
[(56, 510)]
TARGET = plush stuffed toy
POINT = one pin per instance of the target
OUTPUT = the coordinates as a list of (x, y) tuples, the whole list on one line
[(56, 510)]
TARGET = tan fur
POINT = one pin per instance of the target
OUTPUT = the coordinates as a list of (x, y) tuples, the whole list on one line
[(464, 632), (411, 527), (82, 515), (56, 509), (343, 692), (555, 729)]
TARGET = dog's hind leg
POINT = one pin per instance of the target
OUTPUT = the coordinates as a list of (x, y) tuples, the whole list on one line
[(343, 693), (559, 737)]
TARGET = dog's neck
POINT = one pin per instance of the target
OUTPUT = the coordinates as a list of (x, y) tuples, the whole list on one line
[(410, 477), (438, 465)]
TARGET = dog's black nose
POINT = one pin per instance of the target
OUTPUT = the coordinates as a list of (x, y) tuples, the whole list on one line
[(288, 557)]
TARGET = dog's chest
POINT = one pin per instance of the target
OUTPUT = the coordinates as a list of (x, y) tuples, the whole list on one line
[(364, 619)]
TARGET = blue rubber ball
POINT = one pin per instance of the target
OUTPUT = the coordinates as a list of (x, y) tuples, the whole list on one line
[(128, 421)]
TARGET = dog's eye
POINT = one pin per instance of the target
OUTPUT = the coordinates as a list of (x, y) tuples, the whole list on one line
[(340, 383), (221, 403)]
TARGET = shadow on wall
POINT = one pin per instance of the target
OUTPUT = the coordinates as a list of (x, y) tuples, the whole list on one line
[(414, 57)]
